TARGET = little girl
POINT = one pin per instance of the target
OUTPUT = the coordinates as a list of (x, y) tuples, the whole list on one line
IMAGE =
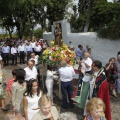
[(49, 81), (95, 109)]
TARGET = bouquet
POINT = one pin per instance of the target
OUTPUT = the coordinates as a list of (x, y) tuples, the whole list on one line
[(55, 54)]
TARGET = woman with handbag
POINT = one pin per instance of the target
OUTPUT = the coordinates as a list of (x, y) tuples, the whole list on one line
[(111, 72)]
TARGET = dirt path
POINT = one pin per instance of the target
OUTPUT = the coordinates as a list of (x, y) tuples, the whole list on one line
[(115, 102)]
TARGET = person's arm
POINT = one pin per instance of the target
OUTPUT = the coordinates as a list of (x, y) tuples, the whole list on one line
[(108, 66), (25, 49), (31, 48), (4, 77), (18, 49), (2, 49), (55, 77), (86, 65), (82, 71), (1, 63), (25, 102), (12, 51), (10, 95), (9, 49)]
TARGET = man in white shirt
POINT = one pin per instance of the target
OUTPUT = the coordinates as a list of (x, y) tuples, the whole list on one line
[(14, 54), (21, 49), (66, 74), (37, 49), (31, 71), (86, 63), (33, 45), (35, 58)]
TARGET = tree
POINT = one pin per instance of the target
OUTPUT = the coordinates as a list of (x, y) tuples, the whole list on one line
[(6, 17), (104, 13), (56, 10), (88, 16)]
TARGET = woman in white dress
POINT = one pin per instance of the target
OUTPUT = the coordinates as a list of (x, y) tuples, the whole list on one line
[(31, 98), (49, 81)]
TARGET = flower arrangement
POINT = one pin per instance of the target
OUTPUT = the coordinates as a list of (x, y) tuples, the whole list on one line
[(55, 54)]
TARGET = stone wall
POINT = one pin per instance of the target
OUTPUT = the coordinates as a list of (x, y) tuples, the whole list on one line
[(102, 49)]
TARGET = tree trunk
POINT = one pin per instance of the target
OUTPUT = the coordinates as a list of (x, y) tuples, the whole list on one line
[(88, 16), (10, 32)]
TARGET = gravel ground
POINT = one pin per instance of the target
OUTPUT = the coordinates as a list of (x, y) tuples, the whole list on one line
[(115, 102)]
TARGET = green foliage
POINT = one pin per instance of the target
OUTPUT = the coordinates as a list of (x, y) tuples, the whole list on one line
[(104, 13), (56, 10), (112, 31), (25, 14), (7, 35), (105, 17), (38, 33)]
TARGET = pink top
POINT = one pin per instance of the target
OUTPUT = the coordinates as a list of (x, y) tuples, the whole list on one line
[(9, 84)]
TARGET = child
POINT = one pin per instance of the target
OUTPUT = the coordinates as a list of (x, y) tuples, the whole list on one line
[(95, 109), (50, 81), (10, 82)]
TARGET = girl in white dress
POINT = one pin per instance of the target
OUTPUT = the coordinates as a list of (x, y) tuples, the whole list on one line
[(31, 98), (49, 81)]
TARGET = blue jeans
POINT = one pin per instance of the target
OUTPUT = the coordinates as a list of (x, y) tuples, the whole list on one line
[(67, 91)]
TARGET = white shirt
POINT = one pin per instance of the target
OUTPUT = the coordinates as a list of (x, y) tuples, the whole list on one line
[(30, 73), (13, 50), (38, 48), (71, 46), (66, 73), (87, 61), (0, 57), (44, 45), (35, 59), (21, 48), (33, 44)]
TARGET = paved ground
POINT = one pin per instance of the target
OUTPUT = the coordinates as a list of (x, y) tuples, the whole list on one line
[(115, 102)]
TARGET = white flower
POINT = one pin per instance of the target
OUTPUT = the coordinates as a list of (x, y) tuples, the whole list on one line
[(50, 57)]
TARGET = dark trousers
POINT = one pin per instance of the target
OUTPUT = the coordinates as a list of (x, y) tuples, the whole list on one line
[(6, 58), (14, 59), (22, 57), (37, 53), (38, 71), (67, 91), (28, 55), (33, 50)]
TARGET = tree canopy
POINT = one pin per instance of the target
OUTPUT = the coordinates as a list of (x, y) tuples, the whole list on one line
[(25, 14)]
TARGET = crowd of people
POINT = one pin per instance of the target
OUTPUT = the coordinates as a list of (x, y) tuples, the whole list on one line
[(86, 85), (15, 48)]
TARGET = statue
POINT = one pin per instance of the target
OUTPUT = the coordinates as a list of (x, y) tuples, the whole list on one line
[(58, 35)]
